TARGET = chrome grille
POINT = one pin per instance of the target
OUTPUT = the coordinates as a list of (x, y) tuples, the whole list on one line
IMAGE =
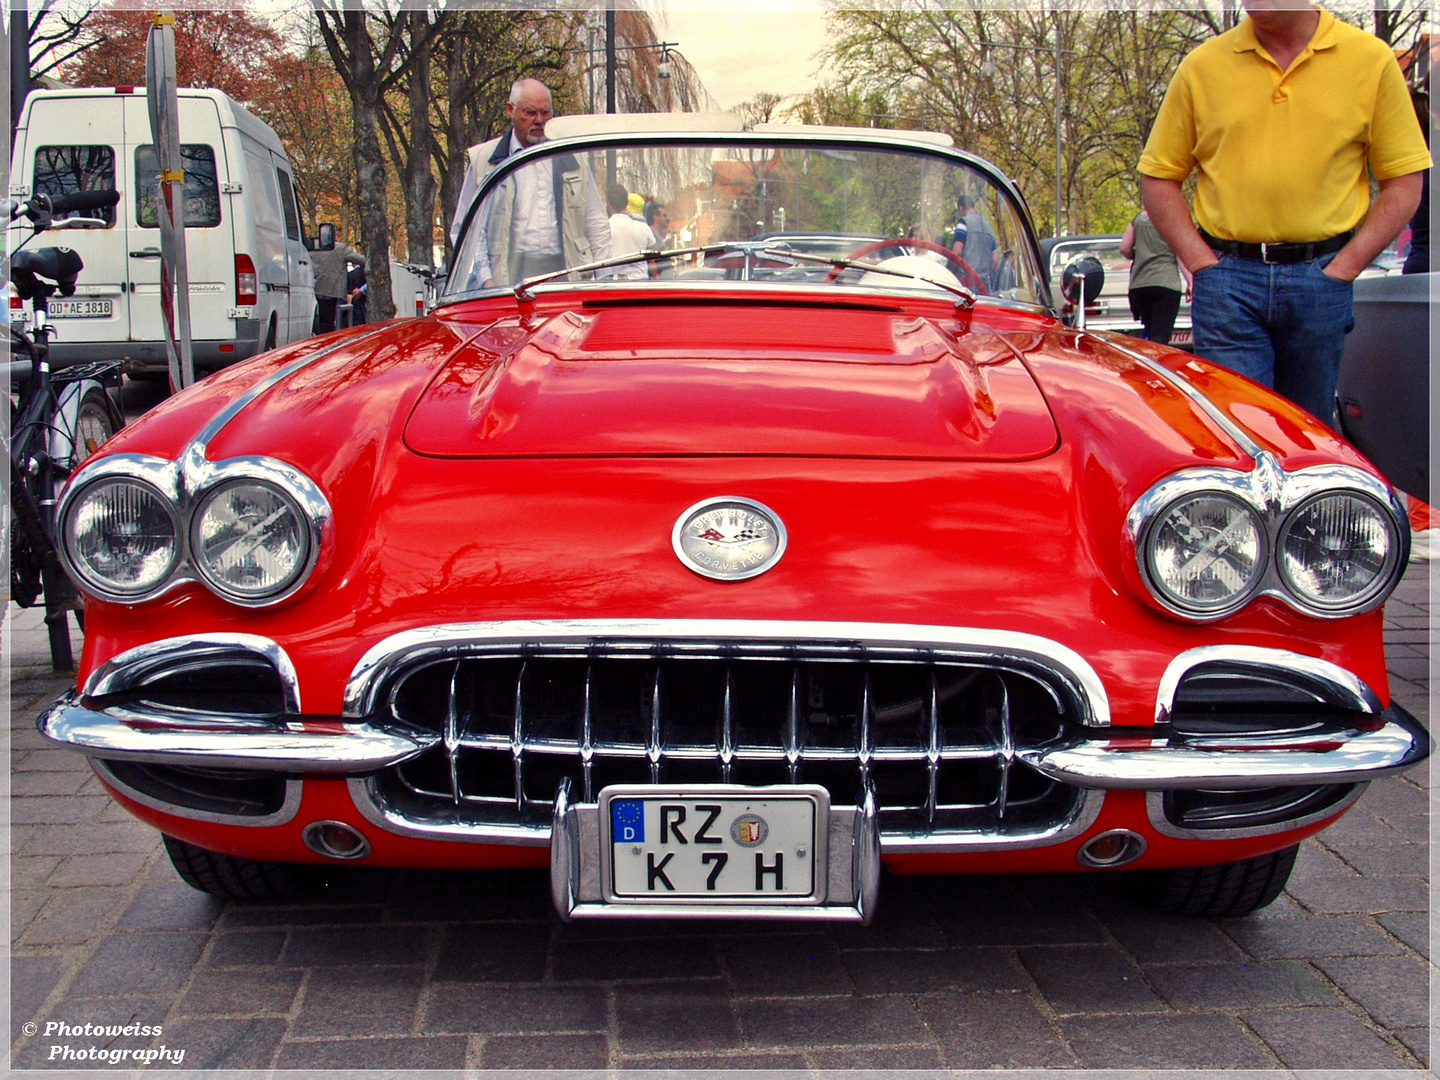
[(936, 738)]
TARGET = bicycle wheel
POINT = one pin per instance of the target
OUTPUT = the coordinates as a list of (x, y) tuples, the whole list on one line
[(93, 424)]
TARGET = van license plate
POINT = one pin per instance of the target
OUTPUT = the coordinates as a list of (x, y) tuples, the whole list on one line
[(82, 309), (1180, 337), (698, 846)]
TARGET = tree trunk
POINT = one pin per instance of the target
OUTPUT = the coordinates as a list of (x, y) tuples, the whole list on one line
[(419, 180), (369, 163)]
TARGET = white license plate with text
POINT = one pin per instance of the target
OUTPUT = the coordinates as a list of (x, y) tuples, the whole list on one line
[(699, 844), (82, 309)]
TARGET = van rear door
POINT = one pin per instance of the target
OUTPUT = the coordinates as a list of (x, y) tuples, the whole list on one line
[(79, 146), (209, 242)]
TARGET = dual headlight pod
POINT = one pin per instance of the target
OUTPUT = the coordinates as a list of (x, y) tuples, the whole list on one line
[(250, 528), (1330, 540)]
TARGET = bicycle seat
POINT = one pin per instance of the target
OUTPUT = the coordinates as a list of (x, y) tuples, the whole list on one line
[(60, 265)]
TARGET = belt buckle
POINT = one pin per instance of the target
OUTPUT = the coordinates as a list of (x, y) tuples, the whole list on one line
[(1265, 253)]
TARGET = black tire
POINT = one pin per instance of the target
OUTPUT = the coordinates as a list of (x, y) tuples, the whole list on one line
[(236, 878), (270, 337), (94, 424), (1236, 888)]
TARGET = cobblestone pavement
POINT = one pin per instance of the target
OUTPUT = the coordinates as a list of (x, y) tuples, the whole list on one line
[(427, 970)]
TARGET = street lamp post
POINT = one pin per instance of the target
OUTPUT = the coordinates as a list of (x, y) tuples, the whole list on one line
[(987, 68)]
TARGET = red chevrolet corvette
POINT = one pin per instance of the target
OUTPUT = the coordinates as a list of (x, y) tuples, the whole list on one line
[(720, 574)]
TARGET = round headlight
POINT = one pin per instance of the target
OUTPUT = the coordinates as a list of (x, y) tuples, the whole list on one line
[(1206, 553), (121, 538), (250, 540), (1336, 551)]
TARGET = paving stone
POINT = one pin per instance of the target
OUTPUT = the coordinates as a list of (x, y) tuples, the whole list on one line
[(545, 1052), (1417, 1041), (72, 916), (114, 869), (1387, 860), (32, 978), (1316, 864), (23, 784), (96, 838), (517, 1010), (360, 1001), (751, 1066), (912, 971), (1395, 800), (801, 1022), (241, 993), (1344, 935), (494, 952), (226, 1044), (27, 871), (1322, 1039), (139, 964), (506, 895), (807, 966), (56, 809), (677, 1017), (423, 1052), (1395, 991), (1363, 896), (1018, 928), (1358, 826), (1212, 1041), (25, 904), (1413, 928), (993, 1031), (246, 948), (238, 915), (889, 1058), (605, 961), (1089, 979), (1239, 984), (311, 946), (38, 1051), (1152, 938), (895, 927), (171, 906)]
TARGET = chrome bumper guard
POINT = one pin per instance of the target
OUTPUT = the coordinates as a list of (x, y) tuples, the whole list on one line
[(226, 742), (851, 889), (1234, 762)]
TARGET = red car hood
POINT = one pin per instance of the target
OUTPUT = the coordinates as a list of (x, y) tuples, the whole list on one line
[(744, 380)]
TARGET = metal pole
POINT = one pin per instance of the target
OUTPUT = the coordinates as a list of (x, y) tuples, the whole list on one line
[(609, 56), (1059, 161), (19, 63)]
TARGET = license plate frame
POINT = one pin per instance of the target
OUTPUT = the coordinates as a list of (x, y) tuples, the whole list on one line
[(102, 308), (620, 871)]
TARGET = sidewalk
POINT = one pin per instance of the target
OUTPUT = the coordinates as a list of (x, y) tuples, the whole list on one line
[(389, 969)]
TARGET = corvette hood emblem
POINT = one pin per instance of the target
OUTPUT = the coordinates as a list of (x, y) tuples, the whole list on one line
[(729, 538)]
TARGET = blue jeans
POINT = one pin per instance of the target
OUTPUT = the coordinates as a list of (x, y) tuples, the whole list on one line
[(1282, 325)]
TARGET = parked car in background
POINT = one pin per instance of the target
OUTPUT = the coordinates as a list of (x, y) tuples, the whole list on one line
[(1111, 310), (715, 595), (251, 285)]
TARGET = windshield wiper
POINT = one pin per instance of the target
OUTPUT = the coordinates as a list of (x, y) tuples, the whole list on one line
[(870, 268), (522, 288)]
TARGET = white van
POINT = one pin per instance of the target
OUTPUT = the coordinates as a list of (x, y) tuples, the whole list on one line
[(251, 285)]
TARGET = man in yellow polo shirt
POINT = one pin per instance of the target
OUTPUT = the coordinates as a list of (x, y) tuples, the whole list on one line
[(1281, 116)]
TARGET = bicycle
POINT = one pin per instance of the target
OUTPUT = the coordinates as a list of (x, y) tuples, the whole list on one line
[(57, 418)]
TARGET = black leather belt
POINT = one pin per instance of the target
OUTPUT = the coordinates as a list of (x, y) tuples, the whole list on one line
[(1278, 253)]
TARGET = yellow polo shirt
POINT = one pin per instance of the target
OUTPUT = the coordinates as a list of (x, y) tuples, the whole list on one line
[(1282, 155)]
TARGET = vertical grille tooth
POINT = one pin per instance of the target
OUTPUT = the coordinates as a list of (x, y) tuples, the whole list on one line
[(932, 750), (652, 746), (517, 739), (727, 725), (1007, 751), (452, 733), (790, 730), (587, 749)]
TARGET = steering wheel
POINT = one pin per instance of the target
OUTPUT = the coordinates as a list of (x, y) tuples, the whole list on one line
[(967, 275)]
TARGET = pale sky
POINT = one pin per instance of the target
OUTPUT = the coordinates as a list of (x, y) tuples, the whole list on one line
[(749, 47)]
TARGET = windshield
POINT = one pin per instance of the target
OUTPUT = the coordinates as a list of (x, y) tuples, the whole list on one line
[(931, 217)]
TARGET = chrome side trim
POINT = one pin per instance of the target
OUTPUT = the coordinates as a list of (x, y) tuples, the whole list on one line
[(1244, 763), (146, 663), (1330, 683), (293, 749), (1274, 495), (370, 802), (1024, 652), (1243, 439), (1155, 811), (288, 809)]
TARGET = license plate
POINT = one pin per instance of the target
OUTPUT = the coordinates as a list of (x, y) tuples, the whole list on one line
[(1180, 337), (82, 309), (714, 844)]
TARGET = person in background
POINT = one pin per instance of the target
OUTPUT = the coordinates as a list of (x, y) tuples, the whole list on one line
[(359, 290), (1417, 259), (1286, 117), (1155, 276), (974, 241), (658, 218), (627, 234), (330, 285)]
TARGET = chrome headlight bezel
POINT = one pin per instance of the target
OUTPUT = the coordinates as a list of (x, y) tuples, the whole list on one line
[(1214, 609), (1275, 497), (217, 584), (1386, 574), (185, 487), (78, 566)]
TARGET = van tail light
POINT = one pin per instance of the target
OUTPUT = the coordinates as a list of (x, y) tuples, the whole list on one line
[(245, 286), (15, 302)]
